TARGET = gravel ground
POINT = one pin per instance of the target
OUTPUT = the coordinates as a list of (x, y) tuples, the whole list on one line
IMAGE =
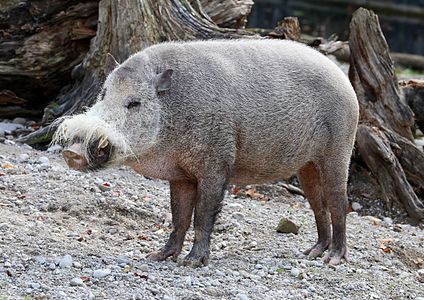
[(61, 237)]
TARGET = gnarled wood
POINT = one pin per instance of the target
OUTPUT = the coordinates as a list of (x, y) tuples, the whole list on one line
[(288, 29), (40, 43), (384, 138), (227, 13), (414, 95)]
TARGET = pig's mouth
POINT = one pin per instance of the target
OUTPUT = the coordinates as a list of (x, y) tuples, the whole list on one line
[(97, 155)]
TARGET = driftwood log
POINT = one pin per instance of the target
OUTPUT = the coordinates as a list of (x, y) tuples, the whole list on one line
[(384, 139)]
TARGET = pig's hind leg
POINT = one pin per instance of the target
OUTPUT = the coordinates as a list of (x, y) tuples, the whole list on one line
[(310, 178), (183, 196), (334, 172)]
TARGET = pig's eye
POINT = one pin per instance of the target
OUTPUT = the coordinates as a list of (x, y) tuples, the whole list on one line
[(133, 104)]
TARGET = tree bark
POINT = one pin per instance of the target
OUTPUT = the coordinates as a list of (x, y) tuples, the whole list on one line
[(384, 139), (227, 13), (40, 43), (288, 29), (414, 95)]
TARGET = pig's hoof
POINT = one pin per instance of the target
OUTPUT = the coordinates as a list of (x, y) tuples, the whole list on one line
[(317, 250), (334, 257), (194, 262), (160, 255), (156, 256)]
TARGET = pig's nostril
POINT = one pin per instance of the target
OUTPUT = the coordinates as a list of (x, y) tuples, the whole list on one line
[(103, 149), (101, 153)]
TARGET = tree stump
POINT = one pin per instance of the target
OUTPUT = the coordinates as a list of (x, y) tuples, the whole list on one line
[(384, 139)]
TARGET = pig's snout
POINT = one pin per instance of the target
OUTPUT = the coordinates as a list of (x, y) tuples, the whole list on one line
[(74, 158), (99, 153)]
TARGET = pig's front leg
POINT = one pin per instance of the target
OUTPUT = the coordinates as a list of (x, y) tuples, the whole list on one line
[(208, 205), (183, 196)]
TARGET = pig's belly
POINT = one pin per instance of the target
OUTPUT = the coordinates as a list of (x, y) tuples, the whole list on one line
[(248, 175), (270, 162)]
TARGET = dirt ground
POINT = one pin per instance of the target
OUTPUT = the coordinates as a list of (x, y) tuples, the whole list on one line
[(62, 237)]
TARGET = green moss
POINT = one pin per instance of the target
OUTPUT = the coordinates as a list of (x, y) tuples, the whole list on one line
[(53, 105), (43, 138), (8, 4), (400, 72)]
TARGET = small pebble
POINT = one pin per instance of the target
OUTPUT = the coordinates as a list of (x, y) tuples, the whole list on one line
[(238, 216), (242, 296), (144, 268), (295, 272), (19, 120), (66, 261), (287, 226), (43, 160), (35, 285), (100, 273), (387, 220), (54, 149), (76, 281), (23, 157), (356, 206), (40, 260), (62, 294)]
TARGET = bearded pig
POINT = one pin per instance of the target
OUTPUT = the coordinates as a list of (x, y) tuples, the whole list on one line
[(204, 114)]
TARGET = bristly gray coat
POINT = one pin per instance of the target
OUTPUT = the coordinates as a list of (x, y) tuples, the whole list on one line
[(205, 113)]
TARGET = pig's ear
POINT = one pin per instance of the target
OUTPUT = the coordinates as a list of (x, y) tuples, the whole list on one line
[(111, 64), (163, 80)]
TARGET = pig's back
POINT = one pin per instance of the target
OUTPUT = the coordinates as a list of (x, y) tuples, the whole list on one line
[(286, 102)]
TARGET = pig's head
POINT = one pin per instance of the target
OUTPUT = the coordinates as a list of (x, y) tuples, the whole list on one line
[(123, 123)]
